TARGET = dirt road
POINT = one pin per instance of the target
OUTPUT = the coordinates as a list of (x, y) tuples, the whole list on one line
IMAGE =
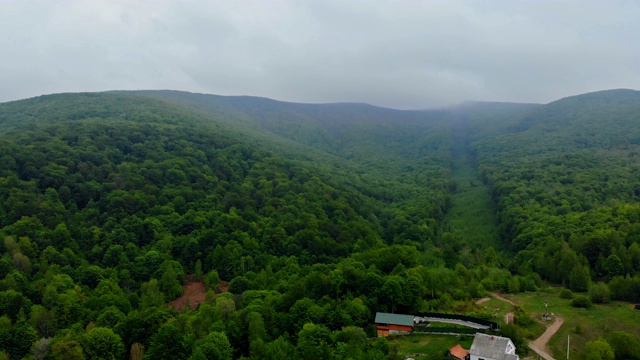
[(541, 342), (540, 345), (502, 298), (483, 300)]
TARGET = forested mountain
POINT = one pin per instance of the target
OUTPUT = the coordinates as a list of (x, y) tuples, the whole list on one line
[(318, 215), (565, 178)]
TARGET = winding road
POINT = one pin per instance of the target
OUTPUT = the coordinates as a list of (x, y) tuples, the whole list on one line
[(539, 345)]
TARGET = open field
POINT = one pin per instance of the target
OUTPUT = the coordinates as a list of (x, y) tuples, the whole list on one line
[(593, 323), (434, 346)]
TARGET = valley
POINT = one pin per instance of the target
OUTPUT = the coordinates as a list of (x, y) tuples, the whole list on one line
[(314, 217)]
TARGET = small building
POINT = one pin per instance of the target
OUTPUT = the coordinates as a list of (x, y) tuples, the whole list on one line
[(459, 353), (389, 324), (491, 347)]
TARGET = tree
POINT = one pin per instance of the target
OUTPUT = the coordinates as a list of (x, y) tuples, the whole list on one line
[(613, 266), (212, 281), (43, 320), (40, 349), (67, 350), (599, 293), (314, 342), (279, 349), (103, 344), (169, 284), (579, 278), (215, 346), (599, 349), (625, 346), (22, 338), (109, 317), (167, 344), (522, 318), (151, 294), (21, 262), (256, 327), (197, 275)]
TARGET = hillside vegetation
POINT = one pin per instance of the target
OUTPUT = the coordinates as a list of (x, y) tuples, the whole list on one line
[(317, 215)]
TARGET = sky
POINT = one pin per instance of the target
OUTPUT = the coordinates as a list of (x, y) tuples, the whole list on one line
[(400, 54)]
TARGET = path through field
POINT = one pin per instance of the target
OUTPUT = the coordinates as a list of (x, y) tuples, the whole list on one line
[(539, 345), (502, 298), (483, 300)]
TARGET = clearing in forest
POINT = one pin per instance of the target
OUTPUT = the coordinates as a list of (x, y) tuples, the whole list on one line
[(194, 293), (471, 219)]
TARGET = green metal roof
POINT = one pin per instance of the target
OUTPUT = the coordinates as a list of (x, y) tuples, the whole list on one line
[(395, 319)]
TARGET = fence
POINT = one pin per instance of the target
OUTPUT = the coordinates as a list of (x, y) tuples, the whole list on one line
[(492, 325)]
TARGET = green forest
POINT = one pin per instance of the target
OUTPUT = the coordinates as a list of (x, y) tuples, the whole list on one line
[(302, 221)]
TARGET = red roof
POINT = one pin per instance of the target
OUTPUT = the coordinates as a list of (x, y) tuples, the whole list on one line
[(458, 352)]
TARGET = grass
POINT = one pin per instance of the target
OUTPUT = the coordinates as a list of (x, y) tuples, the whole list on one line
[(496, 308), (433, 346), (500, 308), (595, 322)]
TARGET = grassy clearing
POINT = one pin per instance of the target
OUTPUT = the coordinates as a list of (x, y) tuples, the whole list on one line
[(434, 346), (496, 308), (500, 308), (590, 324), (472, 217)]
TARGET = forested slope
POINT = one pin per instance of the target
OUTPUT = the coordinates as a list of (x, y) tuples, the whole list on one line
[(108, 201), (317, 215), (565, 178)]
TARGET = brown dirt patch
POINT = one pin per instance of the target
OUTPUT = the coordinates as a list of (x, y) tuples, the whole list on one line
[(195, 293), (502, 298), (483, 300)]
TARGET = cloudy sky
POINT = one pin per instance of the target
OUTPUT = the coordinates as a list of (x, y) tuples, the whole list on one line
[(403, 54)]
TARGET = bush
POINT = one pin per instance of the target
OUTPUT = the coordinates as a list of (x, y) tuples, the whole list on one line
[(522, 318), (566, 294), (581, 301), (600, 293)]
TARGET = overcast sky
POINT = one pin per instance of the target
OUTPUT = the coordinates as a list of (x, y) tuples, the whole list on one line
[(403, 54)]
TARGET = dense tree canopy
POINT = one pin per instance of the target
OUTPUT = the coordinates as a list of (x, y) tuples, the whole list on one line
[(313, 217)]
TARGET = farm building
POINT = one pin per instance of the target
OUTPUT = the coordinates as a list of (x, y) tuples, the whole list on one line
[(459, 353), (491, 347), (389, 324)]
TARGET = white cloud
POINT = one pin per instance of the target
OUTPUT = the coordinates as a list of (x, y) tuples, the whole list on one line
[(409, 54)]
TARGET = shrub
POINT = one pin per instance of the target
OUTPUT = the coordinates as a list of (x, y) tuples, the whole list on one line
[(566, 294), (522, 318), (581, 301), (599, 293)]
